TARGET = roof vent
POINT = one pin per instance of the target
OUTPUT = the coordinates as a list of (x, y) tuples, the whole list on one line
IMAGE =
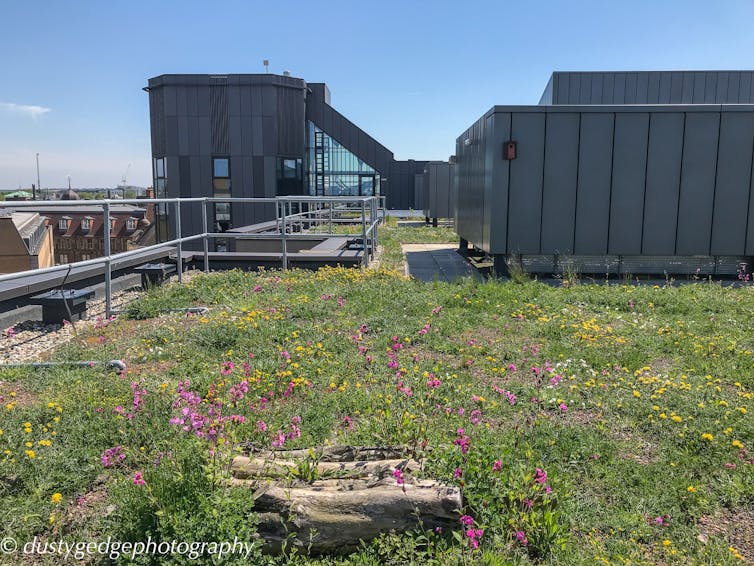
[(286, 73)]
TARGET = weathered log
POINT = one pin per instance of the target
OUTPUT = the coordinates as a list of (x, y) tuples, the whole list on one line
[(332, 516), (244, 467), (342, 453)]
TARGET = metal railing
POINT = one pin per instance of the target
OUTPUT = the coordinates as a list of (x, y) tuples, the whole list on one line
[(292, 213)]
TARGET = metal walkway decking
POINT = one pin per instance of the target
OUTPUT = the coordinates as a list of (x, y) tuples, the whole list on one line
[(437, 262)]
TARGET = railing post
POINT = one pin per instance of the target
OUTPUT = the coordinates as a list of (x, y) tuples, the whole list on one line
[(374, 220), (282, 236), (205, 240), (365, 247), (179, 253), (108, 272)]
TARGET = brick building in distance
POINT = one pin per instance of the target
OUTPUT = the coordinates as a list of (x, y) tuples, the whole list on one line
[(25, 241), (79, 231)]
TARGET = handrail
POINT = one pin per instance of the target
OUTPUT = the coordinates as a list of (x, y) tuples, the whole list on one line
[(371, 208)]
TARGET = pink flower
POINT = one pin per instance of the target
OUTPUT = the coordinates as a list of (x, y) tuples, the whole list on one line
[(261, 426), (497, 465), (563, 407), (467, 520), (457, 474), (540, 476), (521, 537), (512, 367), (139, 479), (398, 475)]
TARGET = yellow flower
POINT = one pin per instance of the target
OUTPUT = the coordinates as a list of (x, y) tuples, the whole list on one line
[(31, 454), (56, 497), (707, 436), (676, 418), (691, 489), (737, 444), (666, 542)]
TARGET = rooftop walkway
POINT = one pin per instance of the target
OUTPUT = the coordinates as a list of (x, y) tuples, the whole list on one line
[(437, 262)]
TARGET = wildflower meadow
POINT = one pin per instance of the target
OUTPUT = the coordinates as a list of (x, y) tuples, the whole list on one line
[(585, 424)]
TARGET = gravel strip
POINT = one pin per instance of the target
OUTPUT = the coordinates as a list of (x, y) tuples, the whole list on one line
[(34, 341)]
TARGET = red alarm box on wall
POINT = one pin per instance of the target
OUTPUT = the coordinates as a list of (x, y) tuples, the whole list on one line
[(510, 149)]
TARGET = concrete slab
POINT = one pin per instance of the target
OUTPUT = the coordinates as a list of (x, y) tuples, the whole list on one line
[(436, 262)]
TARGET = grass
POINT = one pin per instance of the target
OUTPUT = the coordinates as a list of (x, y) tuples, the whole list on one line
[(599, 423)]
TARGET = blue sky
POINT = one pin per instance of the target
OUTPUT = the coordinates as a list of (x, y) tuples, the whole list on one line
[(412, 74)]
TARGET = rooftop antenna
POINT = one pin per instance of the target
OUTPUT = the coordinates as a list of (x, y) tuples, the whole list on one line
[(266, 64)]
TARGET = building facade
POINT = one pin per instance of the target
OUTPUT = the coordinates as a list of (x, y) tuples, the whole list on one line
[(611, 181), (26, 241), (78, 230), (261, 135)]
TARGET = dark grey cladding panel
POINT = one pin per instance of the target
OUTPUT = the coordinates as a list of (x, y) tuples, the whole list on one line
[(205, 129), (169, 95), (247, 135), (183, 134), (157, 121), (697, 183), (234, 135), (663, 183), (181, 102), (197, 183), (627, 197), (258, 176), (269, 101), (257, 135), (171, 135), (650, 87), (291, 120), (234, 101), (657, 85), (218, 102), (525, 189), (269, 133), (732, 190), (194, 135), (471, 183), (593, 195), (559, 185)]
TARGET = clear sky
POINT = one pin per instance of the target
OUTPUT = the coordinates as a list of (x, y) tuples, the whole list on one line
[(412, 74)]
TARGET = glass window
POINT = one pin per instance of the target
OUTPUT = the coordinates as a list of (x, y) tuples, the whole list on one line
[(332, 170), (63, 258), (63, 223), (221, 167), (159, 168), (220, 174), (131, 223), (86, 223)]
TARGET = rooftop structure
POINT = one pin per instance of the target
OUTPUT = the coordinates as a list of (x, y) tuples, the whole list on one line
[(614, 187), (262, 135)]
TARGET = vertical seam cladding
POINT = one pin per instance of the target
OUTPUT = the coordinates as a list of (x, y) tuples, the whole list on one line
[(748, 207), (644, 196), (680, 184), (610, 191), (542, 184), (508, 189), (714, 185), (576, 192)]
